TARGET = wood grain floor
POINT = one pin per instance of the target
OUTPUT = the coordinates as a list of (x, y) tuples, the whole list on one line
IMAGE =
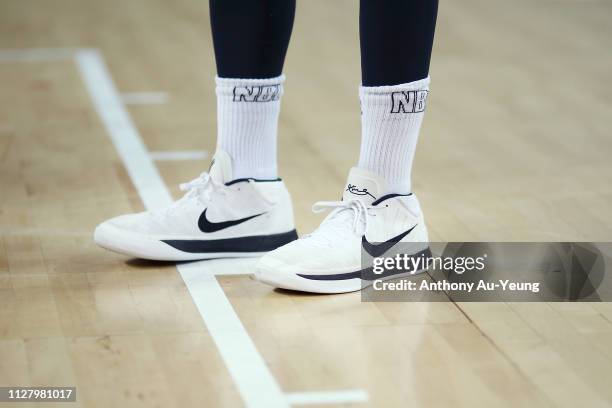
[(515, 146)]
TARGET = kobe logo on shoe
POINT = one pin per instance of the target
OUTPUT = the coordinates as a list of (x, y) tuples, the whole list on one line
[(353, 189), (209, 226)]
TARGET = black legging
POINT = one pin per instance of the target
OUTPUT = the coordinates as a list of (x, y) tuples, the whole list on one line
[(251, 38)]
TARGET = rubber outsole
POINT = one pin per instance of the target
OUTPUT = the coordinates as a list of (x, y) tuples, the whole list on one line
[(276, 277)]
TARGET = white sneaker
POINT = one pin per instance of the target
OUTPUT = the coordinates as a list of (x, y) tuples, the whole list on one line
[(330, 259), (217, 218)]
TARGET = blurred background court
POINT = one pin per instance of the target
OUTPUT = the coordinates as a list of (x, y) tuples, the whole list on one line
[(515, 147)]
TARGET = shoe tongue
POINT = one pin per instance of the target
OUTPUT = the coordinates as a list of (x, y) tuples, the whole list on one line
[(363, 185), (221, 167)]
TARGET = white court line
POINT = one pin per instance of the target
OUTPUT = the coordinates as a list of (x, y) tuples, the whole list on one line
[(255, 383), (227, 266), (144, 98), (121, 130), (179, 155), (327, 397)]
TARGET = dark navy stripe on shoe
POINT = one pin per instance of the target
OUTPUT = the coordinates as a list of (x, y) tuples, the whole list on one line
[(258, 243), (365, 274)]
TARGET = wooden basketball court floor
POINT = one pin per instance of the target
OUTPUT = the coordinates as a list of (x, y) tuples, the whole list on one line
[(515, 147)]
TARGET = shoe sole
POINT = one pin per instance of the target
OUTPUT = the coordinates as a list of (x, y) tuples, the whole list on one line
[(325, 284), (159, 249)]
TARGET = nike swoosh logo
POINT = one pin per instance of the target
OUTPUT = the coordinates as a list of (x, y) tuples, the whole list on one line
[(209, 226), (376, 250)]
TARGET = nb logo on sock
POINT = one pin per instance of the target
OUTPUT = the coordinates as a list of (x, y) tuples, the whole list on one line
[(263, 93), (408, 101)]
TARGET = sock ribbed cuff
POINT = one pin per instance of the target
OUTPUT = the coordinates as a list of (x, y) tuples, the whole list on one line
[(231, 87), (408, 86), (394, 97)]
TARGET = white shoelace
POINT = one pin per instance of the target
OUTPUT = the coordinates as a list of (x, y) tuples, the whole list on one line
[(200, 188), (338, 223), (204, 183), (203, 188)]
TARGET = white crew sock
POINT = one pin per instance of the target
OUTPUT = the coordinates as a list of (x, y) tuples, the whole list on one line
[(391, 118), (247, 121)]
